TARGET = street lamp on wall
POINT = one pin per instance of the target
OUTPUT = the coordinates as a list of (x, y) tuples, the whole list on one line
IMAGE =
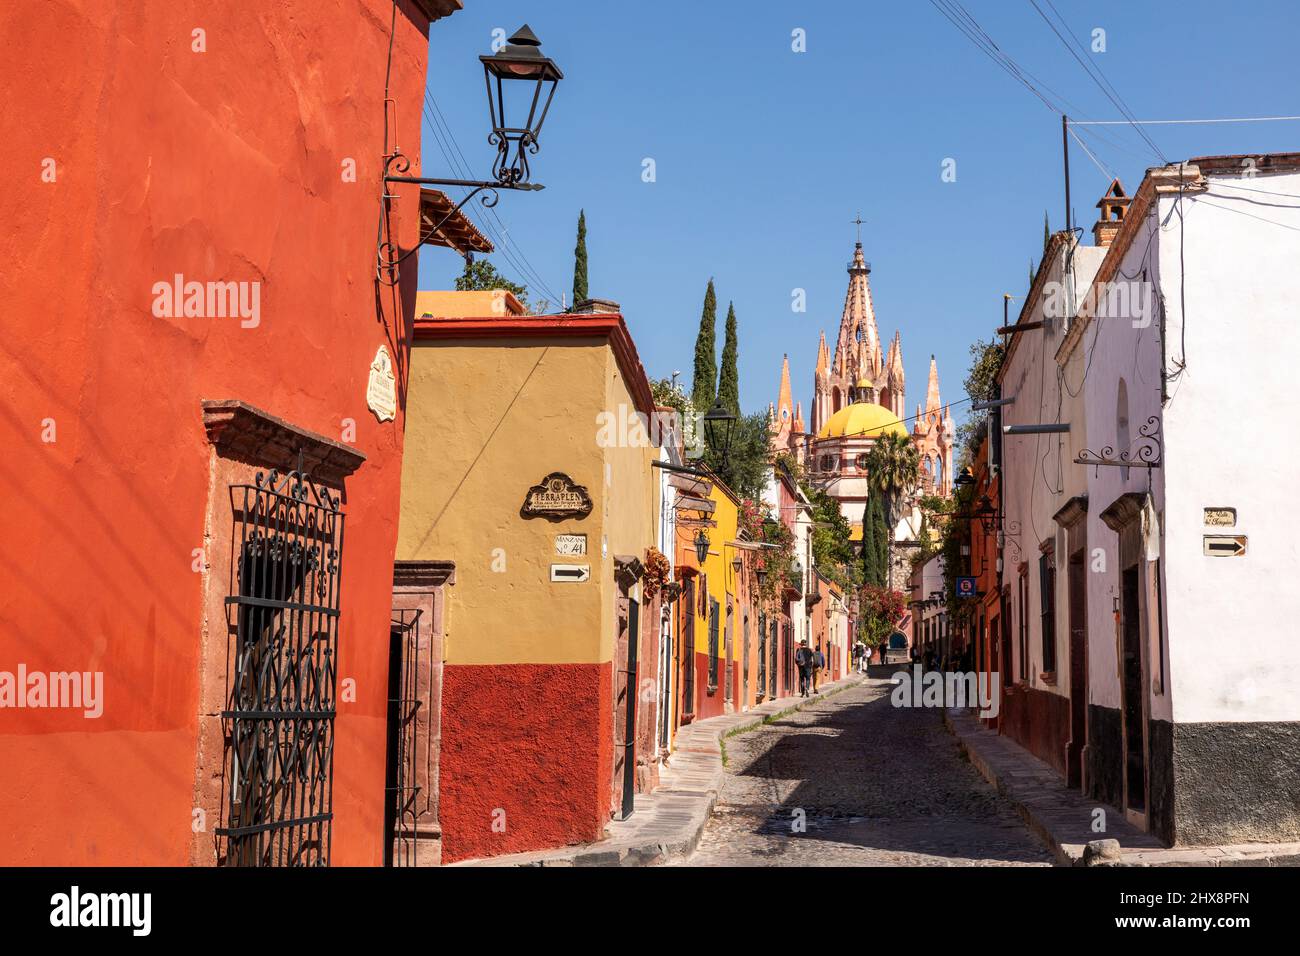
[(520, 71), (516, 65), (718, 424), (701, 545)]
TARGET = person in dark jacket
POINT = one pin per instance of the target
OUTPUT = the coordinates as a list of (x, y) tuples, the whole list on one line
[(819, 664), (803, 659)]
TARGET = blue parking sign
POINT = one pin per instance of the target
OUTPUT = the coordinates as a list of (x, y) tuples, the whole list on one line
[(965, 587)]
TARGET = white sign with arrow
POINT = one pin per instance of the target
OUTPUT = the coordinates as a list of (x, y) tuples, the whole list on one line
[(570, 572), (1225, 545)]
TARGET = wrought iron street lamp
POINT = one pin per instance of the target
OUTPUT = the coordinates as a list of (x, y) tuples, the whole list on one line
[(520, 68), (701, 545), (518, 64), (718, 424)]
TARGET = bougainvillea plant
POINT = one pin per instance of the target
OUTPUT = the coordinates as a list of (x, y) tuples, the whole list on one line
[(880, 610)]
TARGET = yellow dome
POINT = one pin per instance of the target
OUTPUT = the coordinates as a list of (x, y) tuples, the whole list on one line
[(862, 420)]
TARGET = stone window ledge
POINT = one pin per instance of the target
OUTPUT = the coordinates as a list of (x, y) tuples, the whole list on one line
[(246, 433)]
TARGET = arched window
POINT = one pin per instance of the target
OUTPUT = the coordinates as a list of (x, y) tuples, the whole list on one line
[(835, 394), (938, 474)]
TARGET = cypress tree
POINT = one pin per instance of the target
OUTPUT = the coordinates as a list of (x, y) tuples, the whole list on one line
[(729, 378), (1047, 231), (706, 358), (883, 535), (870, 553), (580, 260)]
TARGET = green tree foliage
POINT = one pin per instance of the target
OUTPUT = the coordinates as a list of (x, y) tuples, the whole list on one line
[(480, 275), (954, 535), (706, 361), (893, 468), (832, 541), (729, 378), (580, 260), (873, 572), (981, 386)]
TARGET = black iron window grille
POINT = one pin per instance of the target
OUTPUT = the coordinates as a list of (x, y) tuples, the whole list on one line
[(713, 645), (762, 653), (688, 649), (403, 806), (772, 668), (286, 548), (1047, 597)]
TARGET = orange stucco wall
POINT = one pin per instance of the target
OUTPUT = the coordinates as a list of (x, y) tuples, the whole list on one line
[(226, 164)]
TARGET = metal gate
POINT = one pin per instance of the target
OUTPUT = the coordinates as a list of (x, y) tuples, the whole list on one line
[(402, 807), (286, 547)]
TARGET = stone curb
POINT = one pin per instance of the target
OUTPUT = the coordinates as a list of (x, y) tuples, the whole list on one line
[(669, 821), (1056, 813)]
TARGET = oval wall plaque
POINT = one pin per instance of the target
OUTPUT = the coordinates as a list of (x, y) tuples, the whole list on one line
[(556, 498)]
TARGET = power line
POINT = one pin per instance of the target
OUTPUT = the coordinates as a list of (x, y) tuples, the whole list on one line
[(1175, 122), (1097, 77), (1262, 192), (1105, 171), (990, 49), (1242, 212), (985, 43), (505, 243)]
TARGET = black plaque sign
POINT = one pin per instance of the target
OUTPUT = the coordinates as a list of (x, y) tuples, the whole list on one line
[(556, 499)]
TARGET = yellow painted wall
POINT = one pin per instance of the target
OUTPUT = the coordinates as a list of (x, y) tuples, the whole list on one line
[(722, 577), (486, 419)]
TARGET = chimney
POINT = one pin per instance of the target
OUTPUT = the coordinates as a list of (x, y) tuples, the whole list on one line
[(1113, 206), (596, 307)]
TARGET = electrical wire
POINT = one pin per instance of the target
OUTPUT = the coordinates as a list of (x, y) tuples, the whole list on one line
[(505, 241), (1179, 122), (1098, 78), (464, 172)]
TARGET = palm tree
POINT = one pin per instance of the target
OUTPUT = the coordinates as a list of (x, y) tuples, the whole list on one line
[(893, 468)]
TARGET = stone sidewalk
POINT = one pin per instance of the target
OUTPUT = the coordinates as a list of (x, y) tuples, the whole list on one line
[(1062, 817), (668, 821)]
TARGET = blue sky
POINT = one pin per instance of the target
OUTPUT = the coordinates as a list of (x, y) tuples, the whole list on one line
[(763, 155)]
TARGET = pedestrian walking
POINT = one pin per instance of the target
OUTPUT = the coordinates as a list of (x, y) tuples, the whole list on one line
[(819, 662), (803, 659)]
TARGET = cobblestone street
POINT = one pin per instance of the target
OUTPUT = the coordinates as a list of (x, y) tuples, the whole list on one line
[(877, 785)]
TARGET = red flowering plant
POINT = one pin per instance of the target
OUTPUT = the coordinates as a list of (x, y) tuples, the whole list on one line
[(657, 572), (880, 610), (759, 526)]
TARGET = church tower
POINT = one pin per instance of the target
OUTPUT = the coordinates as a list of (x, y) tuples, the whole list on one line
[(934, 434)]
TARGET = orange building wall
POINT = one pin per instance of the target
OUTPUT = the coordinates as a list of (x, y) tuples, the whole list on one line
[(220, 165)]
